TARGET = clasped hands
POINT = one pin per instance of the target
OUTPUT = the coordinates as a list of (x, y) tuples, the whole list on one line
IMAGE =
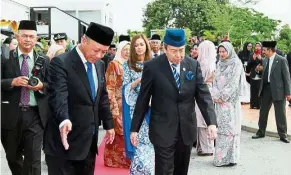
[(219, 101)]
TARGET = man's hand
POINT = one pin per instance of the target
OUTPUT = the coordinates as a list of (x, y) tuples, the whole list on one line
[(259, 68), (110, 135), (212, 132), (288, 97), (38, 87), (64, 131), (259, 57), (20, 81), (133, 139)]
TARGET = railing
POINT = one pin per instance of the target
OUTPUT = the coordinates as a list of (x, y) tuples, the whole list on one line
[(60, 21)]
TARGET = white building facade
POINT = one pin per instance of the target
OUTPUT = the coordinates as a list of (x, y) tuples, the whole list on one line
[(61, 18)]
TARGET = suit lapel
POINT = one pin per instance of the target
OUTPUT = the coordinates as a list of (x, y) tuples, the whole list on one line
[(81, 71), (275, 61), (99, 73), (265, 61), (183, 70), (15, 62), (167, 70)]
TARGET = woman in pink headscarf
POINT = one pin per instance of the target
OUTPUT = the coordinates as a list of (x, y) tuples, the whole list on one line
[(206, 59)]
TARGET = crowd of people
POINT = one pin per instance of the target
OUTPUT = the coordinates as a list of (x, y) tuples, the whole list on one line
[(153, 100)]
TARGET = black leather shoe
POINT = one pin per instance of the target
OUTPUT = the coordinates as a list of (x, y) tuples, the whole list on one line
[(258, 136), (285, 140)]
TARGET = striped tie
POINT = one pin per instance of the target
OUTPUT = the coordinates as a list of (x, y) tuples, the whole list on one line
[(176, 75)]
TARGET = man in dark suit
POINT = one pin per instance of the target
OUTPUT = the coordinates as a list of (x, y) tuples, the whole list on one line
[(289, 64), (78, 98), (109, 56), (173, 82), (24, 107), (155, 42), (275, 89)]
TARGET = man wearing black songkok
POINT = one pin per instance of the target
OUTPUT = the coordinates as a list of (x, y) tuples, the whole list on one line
[(124, 38), (24, 108), (78, 99), (275, 89)]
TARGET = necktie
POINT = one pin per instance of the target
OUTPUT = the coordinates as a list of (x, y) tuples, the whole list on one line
[(266, 73), (176, 75), (155, 55), (91, 80), (24, 99)]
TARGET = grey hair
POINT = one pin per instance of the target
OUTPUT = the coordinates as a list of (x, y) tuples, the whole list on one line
[(87, 38)]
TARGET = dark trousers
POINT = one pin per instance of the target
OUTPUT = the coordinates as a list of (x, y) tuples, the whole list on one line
[(24, 141), (59, 166), (280, 112), (174, 159), (255, 100)]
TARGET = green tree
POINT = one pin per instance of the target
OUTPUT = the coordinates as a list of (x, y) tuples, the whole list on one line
[(242, 24), (284, 43), (193, 14), (132, 33)]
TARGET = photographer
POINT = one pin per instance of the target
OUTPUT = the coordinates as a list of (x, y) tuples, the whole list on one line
[(255, 79), (24, 103)]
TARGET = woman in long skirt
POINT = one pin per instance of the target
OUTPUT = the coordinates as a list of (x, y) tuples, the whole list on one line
[(227, 87)]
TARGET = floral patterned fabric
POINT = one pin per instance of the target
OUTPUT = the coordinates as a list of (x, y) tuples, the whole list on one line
[(226, 87), (144, 158), (114, 154)]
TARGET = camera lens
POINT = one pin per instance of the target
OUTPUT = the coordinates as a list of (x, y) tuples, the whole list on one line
[(33, 81)]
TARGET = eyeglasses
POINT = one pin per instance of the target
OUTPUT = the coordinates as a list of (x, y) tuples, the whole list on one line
[(155, 42)]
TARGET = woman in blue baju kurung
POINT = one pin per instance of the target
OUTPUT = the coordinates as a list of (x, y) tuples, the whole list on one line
[(143, 155)]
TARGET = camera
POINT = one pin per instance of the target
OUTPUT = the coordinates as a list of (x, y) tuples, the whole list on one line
[(33, 80)]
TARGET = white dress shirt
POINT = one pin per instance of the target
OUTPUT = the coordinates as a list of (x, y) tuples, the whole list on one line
[(94, 77), (86, 67), (177, 67), (158, 53), (270, 65)]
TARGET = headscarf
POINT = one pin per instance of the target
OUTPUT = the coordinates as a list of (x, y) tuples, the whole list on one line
[(53, 49), (232, 60), (245, 52), (118, 56), (231, 55), (207, 58)]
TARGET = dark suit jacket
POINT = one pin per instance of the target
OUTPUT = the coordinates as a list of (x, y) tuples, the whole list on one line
[(106, 59), (279, 78), (10, 69), (169, 108), (70, 98), (289, 62)]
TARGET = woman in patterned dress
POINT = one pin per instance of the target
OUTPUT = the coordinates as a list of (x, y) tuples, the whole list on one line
[(228, 80), (114, 154), (143, 155)]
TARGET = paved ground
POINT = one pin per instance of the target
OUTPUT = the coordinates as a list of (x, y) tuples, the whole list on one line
[(251, 118), (267, 156)]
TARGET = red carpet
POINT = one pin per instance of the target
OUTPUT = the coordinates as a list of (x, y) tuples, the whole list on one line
[(100, 169)]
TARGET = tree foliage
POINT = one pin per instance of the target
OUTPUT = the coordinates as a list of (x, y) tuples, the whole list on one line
[(212, 18), (284, 43), (242, 24)]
